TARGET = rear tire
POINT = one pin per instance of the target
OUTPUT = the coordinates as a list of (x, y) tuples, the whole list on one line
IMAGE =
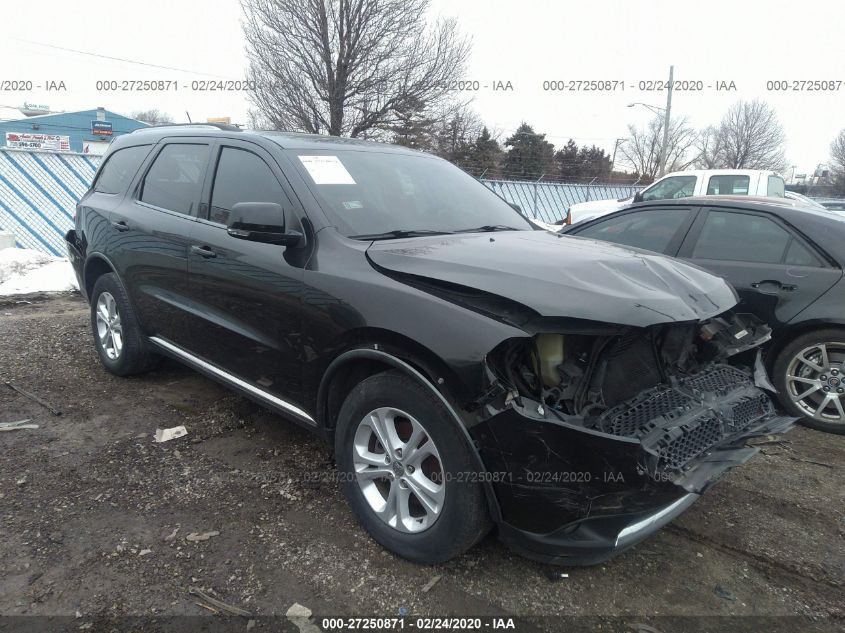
[(809, 374), (122, 347), (418, 497)]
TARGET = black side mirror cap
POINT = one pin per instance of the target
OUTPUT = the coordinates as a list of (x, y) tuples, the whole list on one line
[(291, 238), (638, 197), (261, 222)]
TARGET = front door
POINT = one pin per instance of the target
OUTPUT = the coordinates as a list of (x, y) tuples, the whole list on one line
[(247, 295)]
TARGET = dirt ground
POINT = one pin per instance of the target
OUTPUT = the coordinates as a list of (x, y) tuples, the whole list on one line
[(94, 518)]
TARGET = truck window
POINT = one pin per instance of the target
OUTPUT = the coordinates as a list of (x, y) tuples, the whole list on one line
[(672, 187), (728, 185), (775, 187)]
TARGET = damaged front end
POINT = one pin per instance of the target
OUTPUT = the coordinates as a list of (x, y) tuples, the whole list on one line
[(596, 435)]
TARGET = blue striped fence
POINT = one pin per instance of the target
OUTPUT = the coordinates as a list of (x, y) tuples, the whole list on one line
[(38, 193), (550, 201)]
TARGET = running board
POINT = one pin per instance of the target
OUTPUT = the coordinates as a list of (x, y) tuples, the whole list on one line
[(224, 376)]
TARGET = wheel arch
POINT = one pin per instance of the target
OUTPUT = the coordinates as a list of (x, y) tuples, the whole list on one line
[(784, 336), (362, 361), (96, 266)]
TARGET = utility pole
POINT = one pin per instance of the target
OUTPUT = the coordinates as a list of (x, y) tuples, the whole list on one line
[(616, 145), (664, 147)]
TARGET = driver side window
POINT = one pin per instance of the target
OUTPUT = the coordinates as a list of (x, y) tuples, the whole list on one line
[(672, 187), (242, 176), (650, 229)]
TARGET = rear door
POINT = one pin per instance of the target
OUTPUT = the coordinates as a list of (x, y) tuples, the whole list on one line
[(151, 228), (775, 271), (246, 311)]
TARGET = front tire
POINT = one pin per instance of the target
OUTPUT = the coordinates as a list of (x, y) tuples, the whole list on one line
[(809, 374), (122, 347), (407, 470)]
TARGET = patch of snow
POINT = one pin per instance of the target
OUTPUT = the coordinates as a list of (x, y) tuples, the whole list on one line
[(17, 261), (23, 271)]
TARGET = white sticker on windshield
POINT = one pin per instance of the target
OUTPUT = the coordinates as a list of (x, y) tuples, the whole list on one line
[(327, 170)]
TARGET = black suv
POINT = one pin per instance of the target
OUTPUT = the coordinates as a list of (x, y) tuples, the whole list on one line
[(467, 369)]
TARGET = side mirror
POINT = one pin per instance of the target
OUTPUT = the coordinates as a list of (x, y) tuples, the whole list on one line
[(638, 197), (261, 222)]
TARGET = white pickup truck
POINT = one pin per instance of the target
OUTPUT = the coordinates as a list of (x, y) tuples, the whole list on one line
[(695, 182)]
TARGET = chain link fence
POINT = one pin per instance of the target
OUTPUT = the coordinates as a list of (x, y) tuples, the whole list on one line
[(550, 202)]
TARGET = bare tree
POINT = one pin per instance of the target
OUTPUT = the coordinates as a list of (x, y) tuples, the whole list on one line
[(710, 148), (837, 151), (348, 67), (458, 127), (642, 149), (837, 155), (153, 116), (748, 137)]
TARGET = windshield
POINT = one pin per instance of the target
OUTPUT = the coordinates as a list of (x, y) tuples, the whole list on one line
[(369, 193)]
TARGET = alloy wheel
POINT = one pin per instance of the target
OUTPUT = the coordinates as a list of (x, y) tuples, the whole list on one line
[(399, 470), (815, 381), (109, 328)]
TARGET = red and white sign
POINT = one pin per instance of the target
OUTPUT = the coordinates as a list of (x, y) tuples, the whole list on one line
[(25, 140)]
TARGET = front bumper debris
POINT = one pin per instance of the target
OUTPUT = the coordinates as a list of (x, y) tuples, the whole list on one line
[(577, 491)]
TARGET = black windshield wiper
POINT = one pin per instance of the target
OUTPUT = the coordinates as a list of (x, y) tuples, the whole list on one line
[(487, 228), (398, 233)]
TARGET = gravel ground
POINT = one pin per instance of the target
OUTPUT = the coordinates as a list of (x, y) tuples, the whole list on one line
[(95, 518)]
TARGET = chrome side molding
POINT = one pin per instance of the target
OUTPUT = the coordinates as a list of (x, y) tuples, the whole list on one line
[(232, 380)]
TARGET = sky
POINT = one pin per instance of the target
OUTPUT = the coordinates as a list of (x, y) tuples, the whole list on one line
[(524, 42)]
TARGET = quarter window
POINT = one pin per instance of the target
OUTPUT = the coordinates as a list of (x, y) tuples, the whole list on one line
[(174, 181), (652, 230), (728, 185), (242, 177), (120, 168), (741, 237), (800, 255)]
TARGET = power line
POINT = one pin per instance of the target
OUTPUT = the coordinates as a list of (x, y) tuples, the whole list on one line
[(118, 59)]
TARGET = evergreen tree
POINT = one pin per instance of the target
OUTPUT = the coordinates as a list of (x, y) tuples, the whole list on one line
[(575, 164), (530, 155), (485, 156), (566, 160)]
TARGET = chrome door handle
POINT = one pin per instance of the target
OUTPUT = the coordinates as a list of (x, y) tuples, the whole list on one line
[(203, 251)]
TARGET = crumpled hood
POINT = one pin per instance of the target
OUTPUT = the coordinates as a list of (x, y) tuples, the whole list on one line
[(564, 276)]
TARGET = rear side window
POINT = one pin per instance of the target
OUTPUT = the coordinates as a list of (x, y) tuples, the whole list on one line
[(741, 237), (728, 185), (652, 230), (242, 177), (174, 182), (120, 169), (775, 187)]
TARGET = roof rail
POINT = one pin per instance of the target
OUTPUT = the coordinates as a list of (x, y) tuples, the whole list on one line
[(220, 126)]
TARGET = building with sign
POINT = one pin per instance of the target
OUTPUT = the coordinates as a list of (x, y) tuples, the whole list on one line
[(85, 132)]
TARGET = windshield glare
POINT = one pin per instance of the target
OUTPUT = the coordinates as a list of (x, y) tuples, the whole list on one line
[(365, 193)]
